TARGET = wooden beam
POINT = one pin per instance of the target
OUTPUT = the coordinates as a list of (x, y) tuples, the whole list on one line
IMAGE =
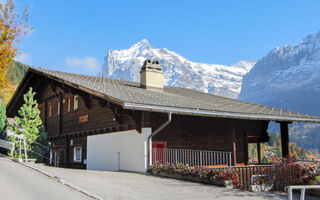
[(234, 144), (145, 119), (284, 139), (255, 139), (259, 152), (45, 115), (42, 88), (87, 100), (53, 86), (246, 153), (67, 151), (61, 115)]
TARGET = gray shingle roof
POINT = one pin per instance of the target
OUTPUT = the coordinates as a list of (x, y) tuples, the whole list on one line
[(177, 100)]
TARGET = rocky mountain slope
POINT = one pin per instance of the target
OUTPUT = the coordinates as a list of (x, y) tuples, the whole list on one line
[(288, 77), (180, 72)]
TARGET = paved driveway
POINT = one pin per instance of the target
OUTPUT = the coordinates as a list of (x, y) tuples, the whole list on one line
[(22, 183), (124, 185)]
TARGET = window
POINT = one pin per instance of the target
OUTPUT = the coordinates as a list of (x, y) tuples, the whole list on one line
[(76, 102), (69, 104), (77, 154), (58, 108), (49, 109)]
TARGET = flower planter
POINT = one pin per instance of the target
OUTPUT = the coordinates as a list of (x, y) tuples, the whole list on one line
[(186, 177), (175, 176), (201, 175), (223, 183), (261, 188), (166, 174)]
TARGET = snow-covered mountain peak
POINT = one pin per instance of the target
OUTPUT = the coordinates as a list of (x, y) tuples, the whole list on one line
[(144, 44), (286, 74), (179, 71), (311, 38)]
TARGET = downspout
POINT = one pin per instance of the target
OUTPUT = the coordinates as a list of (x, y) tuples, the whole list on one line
[(165, 124)]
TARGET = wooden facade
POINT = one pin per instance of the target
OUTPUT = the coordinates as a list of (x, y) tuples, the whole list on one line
[(70, 114), (207, 133)]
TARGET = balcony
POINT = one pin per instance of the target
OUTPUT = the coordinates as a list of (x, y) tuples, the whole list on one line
[(192, 158)]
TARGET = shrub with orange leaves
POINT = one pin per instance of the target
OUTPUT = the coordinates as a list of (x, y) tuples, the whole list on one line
[(12, 27)]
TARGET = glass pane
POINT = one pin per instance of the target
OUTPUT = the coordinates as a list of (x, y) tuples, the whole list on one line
[(78, 154)]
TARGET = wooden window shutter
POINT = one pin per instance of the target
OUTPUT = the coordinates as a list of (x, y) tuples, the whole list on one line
[(72, 103), (41, 109)]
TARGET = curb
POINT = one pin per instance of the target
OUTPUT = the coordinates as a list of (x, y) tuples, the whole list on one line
[(93, 196)]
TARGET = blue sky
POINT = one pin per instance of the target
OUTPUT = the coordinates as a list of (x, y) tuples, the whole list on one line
[(69, 35)]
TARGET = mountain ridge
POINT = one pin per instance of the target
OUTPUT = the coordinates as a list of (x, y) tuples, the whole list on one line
[(180, 72), (288, 78)]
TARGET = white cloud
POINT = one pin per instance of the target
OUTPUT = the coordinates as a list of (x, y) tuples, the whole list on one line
[(89, 63), (22, 57)]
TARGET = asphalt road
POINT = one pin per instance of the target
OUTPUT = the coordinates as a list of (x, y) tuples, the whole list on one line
[(18, 182), (134, 186)]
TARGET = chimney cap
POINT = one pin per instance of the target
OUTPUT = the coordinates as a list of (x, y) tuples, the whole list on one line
[(151, 65)]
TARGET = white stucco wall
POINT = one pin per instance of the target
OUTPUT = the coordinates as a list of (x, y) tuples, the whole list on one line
[(125, 150)]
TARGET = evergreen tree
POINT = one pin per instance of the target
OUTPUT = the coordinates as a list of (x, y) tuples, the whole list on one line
[(3, 119), (29, 124)]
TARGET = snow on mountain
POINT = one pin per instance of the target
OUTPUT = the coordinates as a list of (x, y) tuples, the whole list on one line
[(287, 77), (180, 72)]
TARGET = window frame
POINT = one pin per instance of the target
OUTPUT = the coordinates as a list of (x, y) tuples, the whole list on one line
[(49, 109), (74, 154), (76, 102), (58, 107), (68, 104)]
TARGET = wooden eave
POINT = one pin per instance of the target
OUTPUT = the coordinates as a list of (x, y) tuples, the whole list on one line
[(31, 71)]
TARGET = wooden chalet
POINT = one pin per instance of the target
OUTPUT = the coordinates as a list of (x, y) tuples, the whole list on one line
[(105, 124)]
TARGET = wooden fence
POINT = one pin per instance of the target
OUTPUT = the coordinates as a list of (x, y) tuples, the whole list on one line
[(284, 174)]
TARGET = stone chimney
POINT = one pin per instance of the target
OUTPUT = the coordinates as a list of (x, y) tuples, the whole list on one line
[(151, 75)]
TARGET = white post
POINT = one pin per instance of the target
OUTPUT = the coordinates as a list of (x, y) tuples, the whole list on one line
[(150, 152), (55, 159), (12, 149), (303, 191), (50, 162), (147, 152), (20, 147), (118, 160), (290, 193), (25, 150)]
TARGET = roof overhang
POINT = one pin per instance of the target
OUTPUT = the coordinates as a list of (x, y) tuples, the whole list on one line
[(207, 113), (165, 109), (60, 80)]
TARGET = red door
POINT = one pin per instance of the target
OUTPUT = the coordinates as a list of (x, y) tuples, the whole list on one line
[(159, 149)]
